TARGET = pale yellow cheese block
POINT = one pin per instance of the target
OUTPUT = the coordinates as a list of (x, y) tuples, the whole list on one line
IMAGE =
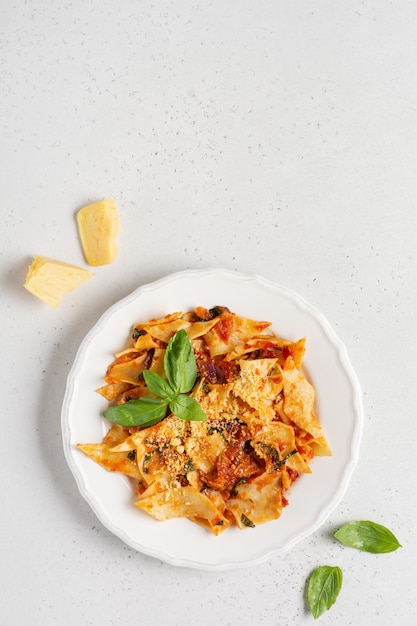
[(50, 280), (98, 225)]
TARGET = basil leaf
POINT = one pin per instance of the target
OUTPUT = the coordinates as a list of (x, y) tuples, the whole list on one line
[(181, 370), (246, 521), (179, 363), (323, 588), (142, 412), (187, 408), (285, 459), (233, 490), (158, 385), (368, 537)]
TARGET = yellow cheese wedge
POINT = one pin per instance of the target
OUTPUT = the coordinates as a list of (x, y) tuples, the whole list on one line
[(50, 280), (98, 225)]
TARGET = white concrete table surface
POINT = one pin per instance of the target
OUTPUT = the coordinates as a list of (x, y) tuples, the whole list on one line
[(276, 138)]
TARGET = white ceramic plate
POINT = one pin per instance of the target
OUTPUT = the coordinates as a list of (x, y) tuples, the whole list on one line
[(338, 406)]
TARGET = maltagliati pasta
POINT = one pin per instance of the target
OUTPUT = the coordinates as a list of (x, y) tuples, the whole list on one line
[(233, 461)]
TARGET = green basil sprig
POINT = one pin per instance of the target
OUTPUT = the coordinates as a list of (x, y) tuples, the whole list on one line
[(323, 588), (181, 372), (368, 537)]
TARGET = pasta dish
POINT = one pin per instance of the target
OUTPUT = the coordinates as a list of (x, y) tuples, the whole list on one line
[(225, 451)]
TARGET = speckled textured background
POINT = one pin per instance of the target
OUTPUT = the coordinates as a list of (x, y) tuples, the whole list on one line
[(276, 138)]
